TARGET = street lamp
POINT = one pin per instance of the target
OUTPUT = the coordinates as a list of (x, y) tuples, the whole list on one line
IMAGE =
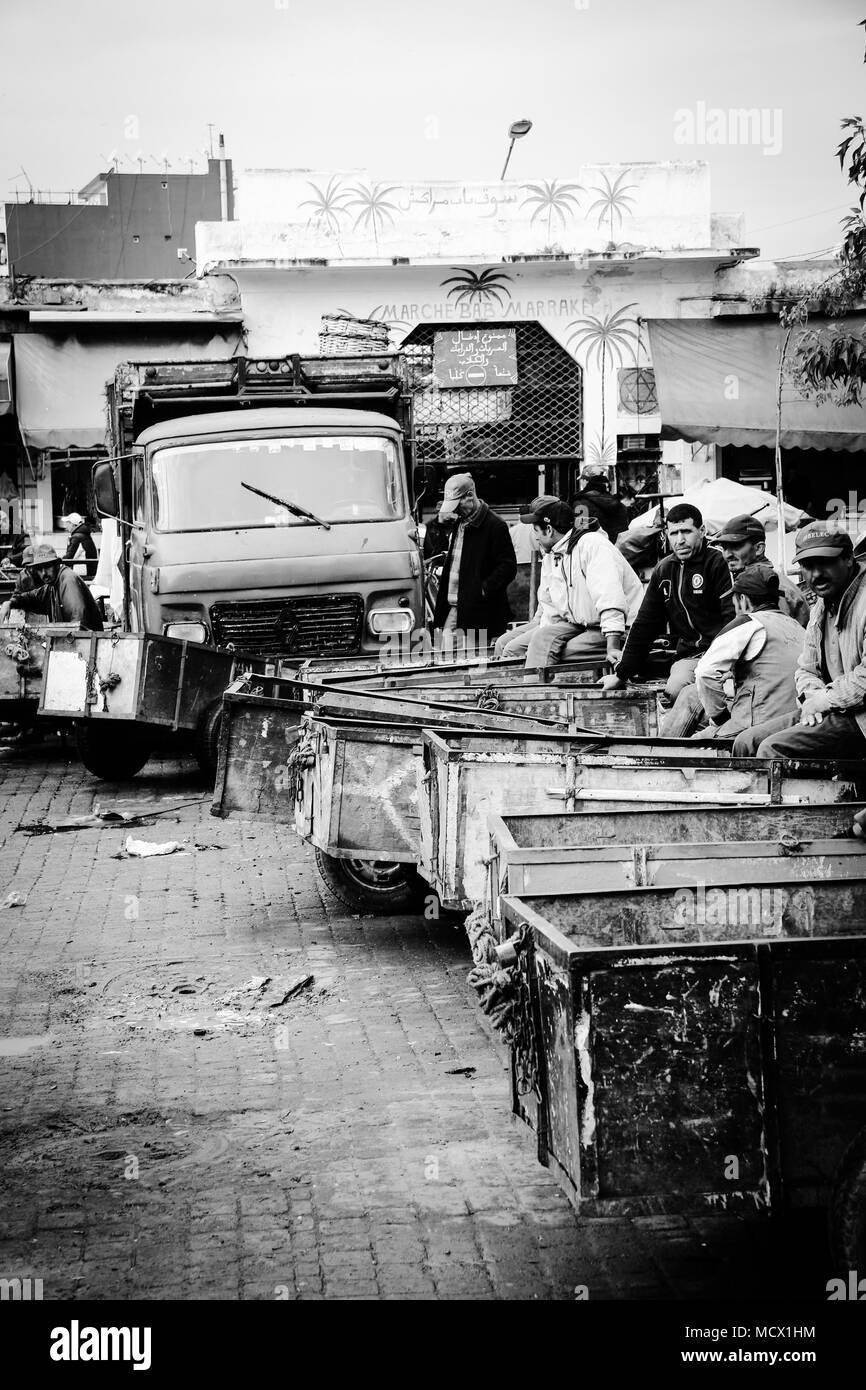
[(515, 130)]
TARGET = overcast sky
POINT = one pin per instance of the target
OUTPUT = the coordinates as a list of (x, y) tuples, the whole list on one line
[(425, 89)]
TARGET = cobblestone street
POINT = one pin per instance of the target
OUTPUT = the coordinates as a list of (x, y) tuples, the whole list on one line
[(186, 1113)]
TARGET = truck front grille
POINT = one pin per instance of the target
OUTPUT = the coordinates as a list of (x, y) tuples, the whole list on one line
[(313, 625)]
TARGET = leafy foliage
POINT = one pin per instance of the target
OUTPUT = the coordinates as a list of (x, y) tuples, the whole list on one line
[(469, 287)]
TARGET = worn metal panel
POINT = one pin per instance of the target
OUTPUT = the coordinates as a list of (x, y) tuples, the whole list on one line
[(672, 1054), (257, 742), (633, 827)]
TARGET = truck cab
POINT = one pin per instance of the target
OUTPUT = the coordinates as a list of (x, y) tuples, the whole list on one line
[(265, 506), (274, 532)]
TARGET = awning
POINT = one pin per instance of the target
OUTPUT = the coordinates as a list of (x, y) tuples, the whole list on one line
[(60, 380), (717, 382), (5, 378)]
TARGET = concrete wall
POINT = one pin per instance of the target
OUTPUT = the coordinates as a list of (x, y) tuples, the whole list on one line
[(136, 235), (580, 307), (286, 215)]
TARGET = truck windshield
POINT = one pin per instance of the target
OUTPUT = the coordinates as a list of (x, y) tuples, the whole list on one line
[(340, 478)]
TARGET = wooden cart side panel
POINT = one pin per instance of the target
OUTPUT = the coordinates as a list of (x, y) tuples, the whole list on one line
[(676, 1074), (819, 1014), (375, 801), (665, 917), (256, 744), (587, 828), (558, 1027)]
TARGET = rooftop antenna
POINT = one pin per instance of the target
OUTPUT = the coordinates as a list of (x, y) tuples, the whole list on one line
[(110, 159)]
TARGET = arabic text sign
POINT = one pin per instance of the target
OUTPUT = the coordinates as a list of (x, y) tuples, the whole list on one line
[(475, 357)]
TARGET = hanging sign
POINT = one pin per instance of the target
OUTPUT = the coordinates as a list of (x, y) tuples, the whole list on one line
[(475, 357)]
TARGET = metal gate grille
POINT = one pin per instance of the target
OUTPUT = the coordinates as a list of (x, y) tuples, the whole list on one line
[(539, 418)]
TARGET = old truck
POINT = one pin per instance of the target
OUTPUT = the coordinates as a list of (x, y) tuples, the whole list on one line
[(265, 512)]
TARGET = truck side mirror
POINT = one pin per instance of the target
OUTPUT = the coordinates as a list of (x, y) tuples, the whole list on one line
[(105, 490), (424, 479)]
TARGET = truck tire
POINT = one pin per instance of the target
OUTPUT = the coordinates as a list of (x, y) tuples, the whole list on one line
[(373, 885), (112, 752), (848, 1208), (206, 742)]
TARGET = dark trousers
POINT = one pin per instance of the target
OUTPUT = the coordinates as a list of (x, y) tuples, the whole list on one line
[(837, 736)]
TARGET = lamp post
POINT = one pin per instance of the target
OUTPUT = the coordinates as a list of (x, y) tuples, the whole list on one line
[(515, 130)]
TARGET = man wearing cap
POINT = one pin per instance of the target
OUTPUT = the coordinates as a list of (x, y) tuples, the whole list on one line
[(588, 592), (59, 593), (831, 673), (479, 566), (743, 542), (755, 656), (80, 539), (689, 592), (594, 499)]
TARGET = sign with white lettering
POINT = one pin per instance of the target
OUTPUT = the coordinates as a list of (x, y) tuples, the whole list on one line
[(475, 357)]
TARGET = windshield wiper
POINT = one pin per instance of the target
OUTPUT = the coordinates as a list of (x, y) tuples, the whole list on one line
[(290, 506)]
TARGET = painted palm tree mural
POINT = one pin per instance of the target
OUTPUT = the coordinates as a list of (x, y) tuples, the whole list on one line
[(552, 200), (471, 288), (376, 211), (612, 201), (327, 206), (601, 338)]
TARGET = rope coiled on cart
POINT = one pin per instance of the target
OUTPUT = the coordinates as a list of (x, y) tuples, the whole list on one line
[(496, 985)]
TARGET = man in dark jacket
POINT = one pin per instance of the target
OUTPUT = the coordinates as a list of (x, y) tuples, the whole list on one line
[(743, 542), (478, 568), (81, 539), (59, 593), (691, 592), (594, 499)]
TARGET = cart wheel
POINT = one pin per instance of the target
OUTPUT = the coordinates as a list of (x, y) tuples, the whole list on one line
[(207, 741), (113, 752), (372, 885), (848, 1208)]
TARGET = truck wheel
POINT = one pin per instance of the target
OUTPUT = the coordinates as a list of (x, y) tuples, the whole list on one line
[(113, 752), (373, 885), (207, 741), (848, 1208)]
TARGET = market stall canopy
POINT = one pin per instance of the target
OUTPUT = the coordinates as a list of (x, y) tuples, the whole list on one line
[(717, 382), (5, 379), (719, 499), (61, 380)]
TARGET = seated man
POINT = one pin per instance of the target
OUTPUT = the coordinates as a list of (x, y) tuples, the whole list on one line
[(588, 592), (831, 672), (58, 593), (756, 654), (689, 592), (743, 542)]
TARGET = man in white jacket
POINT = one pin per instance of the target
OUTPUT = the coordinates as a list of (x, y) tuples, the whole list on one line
[(588, 593)]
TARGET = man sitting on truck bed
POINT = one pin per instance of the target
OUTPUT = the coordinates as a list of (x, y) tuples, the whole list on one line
[(690, 590), (588, 593), (59, 593)]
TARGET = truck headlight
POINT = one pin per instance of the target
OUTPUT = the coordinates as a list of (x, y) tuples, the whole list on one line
[(390, 620), (188, 632)]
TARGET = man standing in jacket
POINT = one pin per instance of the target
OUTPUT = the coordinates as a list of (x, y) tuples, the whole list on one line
[(80, 539), (756, 656), (690, 591), (588, 592), (831, 673), (59, 593), (595, 499), (478, 568), (743, 542)]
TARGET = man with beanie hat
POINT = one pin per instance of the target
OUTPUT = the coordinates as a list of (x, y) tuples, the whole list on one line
[(743, 542), (831, 672), (595, 499), (755, 656), (479, 566)]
